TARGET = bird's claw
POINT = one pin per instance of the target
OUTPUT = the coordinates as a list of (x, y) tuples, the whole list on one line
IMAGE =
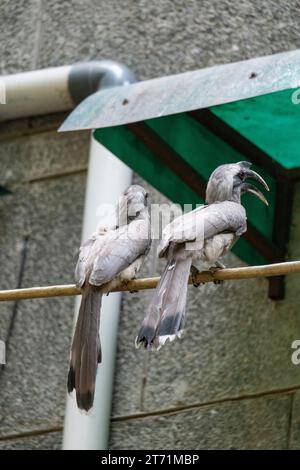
[(216, 268), (194, 274)]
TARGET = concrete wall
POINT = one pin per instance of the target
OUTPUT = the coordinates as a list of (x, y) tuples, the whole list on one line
[(229, 383)]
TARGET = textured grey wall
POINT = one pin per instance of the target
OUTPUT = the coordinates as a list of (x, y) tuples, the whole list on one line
[(229, 383)]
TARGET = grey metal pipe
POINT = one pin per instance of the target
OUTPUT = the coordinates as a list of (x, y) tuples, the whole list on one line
[(58, 89), (85, 78)]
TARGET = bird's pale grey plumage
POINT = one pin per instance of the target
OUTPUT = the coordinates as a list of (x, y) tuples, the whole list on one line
[(200, 236), (114, 254), (202, 224)]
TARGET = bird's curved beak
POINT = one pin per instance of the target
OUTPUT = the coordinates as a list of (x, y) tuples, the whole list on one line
[(252, 175), (250, 188)]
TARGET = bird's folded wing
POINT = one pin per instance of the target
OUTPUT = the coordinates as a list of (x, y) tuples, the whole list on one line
[(222, 217), (203, 223), (81, 266), (118, 251), (183, 226), (89, 251)]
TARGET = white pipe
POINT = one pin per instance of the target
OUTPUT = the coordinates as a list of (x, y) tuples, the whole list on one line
[(34, 93), (107, 179), (54, 90)]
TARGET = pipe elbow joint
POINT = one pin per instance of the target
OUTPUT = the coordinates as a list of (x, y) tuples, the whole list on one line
[(86, 78)]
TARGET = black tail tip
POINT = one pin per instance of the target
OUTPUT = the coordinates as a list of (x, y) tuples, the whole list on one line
[(71, 380), (145, 337), (85, 400), (142, 342)]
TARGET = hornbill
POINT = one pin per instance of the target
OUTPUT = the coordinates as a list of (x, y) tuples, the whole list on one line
[(202, 235), (111, 256)]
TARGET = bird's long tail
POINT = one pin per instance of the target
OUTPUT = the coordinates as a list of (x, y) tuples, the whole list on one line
[(86, 348), (165, 315)]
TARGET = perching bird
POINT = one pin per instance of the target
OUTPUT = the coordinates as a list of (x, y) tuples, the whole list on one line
[(203, 235), (111, 256)]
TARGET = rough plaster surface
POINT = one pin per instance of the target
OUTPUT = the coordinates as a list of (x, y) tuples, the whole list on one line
[(294, 442), (156, 38), (46, 155), (33, 390), (237, 341), (47, 441), (34, 380), (249, 424)]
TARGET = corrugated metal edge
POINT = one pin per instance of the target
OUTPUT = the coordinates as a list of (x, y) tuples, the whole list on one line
[(186, 92)]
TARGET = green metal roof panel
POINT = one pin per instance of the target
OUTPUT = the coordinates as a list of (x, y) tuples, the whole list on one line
[(270, 121), (122, 143)]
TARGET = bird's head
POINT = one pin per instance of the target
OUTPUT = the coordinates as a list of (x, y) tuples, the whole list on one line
[(136, 194), (228, 182), (133, 204)]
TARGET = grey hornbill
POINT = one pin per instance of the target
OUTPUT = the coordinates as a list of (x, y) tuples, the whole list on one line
[(113, 255), (203, 236)]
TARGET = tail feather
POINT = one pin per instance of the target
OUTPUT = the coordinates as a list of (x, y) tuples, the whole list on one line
[(165, 315), (86, 350)]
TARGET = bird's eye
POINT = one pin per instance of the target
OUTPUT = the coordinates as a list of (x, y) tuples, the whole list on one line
[(241, 175), (146, 195), (133, 217)]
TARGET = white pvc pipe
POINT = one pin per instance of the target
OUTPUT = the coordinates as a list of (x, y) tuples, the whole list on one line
[(34, 93), (48, 91), (107, 179)]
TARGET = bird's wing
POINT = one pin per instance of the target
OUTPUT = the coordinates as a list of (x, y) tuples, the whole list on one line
[(81, 266), (225, 216), (185, 223), (182, 227), (203, 223), (120, 248), (87, 249)]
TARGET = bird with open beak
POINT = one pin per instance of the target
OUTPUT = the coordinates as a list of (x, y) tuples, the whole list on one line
[(200, 236)]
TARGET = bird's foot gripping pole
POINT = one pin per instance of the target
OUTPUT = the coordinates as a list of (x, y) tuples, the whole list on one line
[(125, 283), (194, 274), (216, 268)]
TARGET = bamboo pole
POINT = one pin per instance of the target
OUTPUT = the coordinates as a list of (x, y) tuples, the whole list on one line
[(269, 270)]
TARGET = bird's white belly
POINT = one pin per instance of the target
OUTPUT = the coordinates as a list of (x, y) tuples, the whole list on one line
[(127, 274), (213, 249)]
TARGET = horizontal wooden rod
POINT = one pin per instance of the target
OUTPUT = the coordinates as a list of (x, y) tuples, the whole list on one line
[(269, 270)]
